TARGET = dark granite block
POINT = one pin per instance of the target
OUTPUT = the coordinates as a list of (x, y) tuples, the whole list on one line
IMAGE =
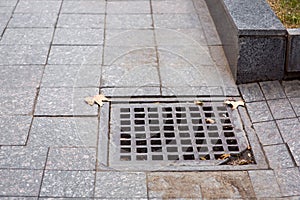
[(260, 58), (293, 58)]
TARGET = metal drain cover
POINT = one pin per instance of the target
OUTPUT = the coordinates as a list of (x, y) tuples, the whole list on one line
[(157, 135)]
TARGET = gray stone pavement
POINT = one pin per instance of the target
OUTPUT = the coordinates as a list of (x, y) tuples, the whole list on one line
[(54, 53)]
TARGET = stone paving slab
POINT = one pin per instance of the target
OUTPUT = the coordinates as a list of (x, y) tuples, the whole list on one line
[(20, 182), (33, 20), (118, 185), (177, 6), (81, 21), (278, 156), (89, 7), (286, 110), (259, 111), (28, 6), (289, 181), (176, 21), (129, 21), (21, 157), (128, 7), (62, 132), (14, 129), (71, 159), (68, 184), (268, 133), (70, 76)]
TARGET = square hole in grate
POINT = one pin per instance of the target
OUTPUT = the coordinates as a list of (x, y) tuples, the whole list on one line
[(171, 132)]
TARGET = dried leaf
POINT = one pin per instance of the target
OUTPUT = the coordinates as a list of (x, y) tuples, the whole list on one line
[(202, 158), (89, 100), (210, 121), (224, 156), (99, 99), (234, 104), (198, 103)]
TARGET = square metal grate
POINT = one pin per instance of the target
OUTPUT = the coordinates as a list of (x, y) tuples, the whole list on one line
[(174, 133)]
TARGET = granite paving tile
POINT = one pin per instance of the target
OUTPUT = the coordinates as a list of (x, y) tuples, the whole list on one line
[(129, 38), (7, 9), (192, 91), (19, 198), (29, 6), (131, 91), (8, 3), (23, 54), (289, 181), (264, 183), (296, 105), (62, 132), (118, 185), (176, 21), (129, 76), (130, 56), (81, 21), (33, 20), (174, 185), (180, 55), (71, 76), (278, 156), (268, 133), (80, 55), (281, 108), (88, 7), (133, 7), (14, 129), (259, 111), (69, 36), (251, 92), (173, 6), (68, 184), (71, 159), (272, 90), (65, 101), (289, 129), (17, 101), (129, 21), (26, 76), (22, 157), (213, 185), (180, 37), (292, 88), (23, 36), (20, 182)]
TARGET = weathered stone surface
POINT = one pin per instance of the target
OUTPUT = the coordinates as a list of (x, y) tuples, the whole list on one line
[(60, 132), (17, 101), (81, 6), (81, 21), (77, 55), (292, 88), (118, 185), (281, 108), (71, 159), (68, 184), (129, 21), (296, 105), (26, 76), (289, 181), (289, 129), (251, 92), (176, 21), (213, 185), (65, 101), (33, 20), (272, 90), (71, 76), (128, 7), (293, 58), (268, 133), (20, 182), (20, 157), (264, 183), (192, 91), (177, 6), (278, 156), (259, 111), (14, 129), (27, 6), (71, 36), (26, 36)]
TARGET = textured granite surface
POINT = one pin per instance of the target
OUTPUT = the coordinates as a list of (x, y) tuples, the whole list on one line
[(293, 58)]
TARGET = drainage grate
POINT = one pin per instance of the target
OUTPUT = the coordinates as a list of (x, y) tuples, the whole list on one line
[(174, 132)]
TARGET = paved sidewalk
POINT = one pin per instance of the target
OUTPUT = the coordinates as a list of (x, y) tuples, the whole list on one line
[(54, 53)]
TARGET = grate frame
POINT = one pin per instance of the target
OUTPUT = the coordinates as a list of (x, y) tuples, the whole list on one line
[(136, 129)]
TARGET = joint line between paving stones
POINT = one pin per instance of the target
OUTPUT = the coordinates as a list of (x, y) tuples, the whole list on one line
[(156, 48), (44, 170), (104, 42), (11, 16)]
